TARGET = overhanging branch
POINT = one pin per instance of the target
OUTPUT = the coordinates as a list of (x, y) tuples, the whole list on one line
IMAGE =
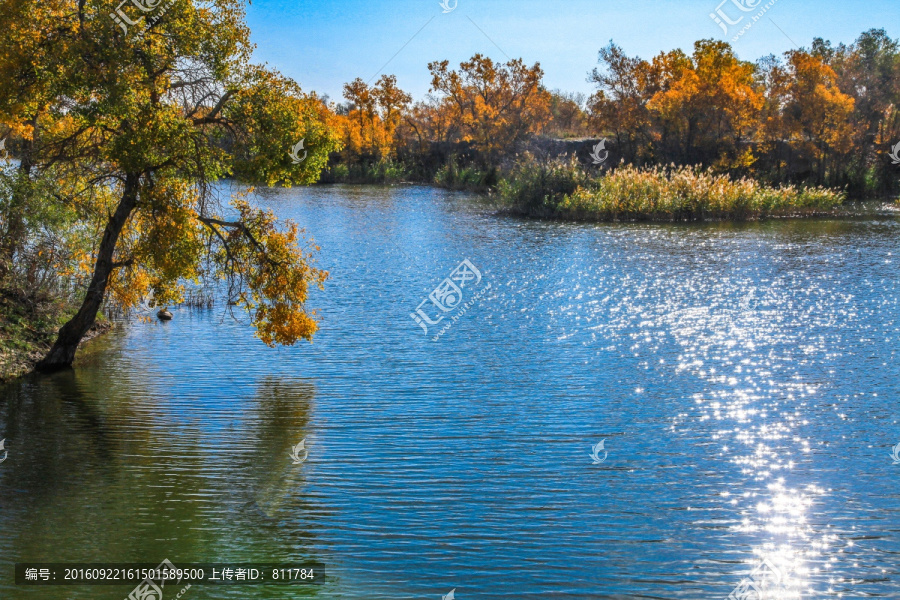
[(214, 223)]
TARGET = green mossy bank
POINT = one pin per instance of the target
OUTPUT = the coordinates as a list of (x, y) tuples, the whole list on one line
[(28, 328)]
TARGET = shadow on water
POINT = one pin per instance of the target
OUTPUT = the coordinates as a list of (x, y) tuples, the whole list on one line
[(97, 473)]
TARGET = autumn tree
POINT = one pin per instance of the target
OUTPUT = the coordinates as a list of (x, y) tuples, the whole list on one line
[(31, 57), (427, 122), (807, 110), (494, 105), (373, 116), (391, 101), (360, 132), (708, 103), (619, 106), (139, 117), (567, 115), (868, 70), (698, 108)]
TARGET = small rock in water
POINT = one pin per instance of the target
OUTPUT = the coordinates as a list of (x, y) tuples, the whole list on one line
[(164, 315)]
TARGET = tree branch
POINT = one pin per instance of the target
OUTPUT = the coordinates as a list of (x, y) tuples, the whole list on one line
[(212, 116), (209, 222)]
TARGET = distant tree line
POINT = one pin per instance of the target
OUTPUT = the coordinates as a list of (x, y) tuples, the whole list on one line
[(821, 116)]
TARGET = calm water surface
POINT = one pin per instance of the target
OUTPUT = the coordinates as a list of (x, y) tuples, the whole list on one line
[(743, 378)]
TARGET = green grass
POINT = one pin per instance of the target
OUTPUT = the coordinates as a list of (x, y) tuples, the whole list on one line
[(385, 171), (564, 190), (454, 177), (26, 331), (28, 328)]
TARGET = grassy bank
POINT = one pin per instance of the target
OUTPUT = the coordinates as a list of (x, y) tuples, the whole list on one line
[(473, 179), (565, 190), (450, 175), (28, 328), (382, 172)]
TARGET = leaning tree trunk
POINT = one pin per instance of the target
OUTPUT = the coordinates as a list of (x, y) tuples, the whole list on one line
[(70, 335)]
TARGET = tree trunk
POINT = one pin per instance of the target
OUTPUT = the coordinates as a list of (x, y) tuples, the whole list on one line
[(14, 237), (62, 353)]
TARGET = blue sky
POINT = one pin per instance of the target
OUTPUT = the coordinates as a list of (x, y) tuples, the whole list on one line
[(323, 43)]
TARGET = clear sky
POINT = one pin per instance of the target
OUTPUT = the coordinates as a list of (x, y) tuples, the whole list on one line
[(323, 43)]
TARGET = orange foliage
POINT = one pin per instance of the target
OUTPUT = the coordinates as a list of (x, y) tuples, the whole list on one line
[(494, 106), (374, 115), (278, 273)]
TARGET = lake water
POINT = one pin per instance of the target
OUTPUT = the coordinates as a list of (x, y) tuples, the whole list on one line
[(743, 378)]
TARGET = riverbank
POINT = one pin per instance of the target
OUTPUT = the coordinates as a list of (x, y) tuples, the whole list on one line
[(27, 330), (570, 190)]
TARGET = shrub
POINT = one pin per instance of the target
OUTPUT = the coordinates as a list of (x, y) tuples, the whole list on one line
[(454, 177), (537, 188), (383, 171)]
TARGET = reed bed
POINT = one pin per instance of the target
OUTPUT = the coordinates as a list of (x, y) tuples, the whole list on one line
[(198, 299), (565, 190)]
